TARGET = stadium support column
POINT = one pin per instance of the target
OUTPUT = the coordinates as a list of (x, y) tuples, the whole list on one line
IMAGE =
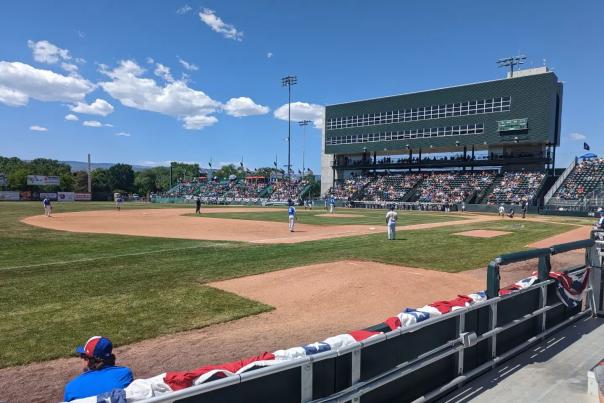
[(410, 157), (465, 155), (419, 160), (554, 160), (472, 161)]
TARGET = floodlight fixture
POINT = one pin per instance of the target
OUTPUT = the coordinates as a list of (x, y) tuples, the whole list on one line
[(511, 62)]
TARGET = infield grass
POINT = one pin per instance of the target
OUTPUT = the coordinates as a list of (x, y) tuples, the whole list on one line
[(59, 288), (340, 217)]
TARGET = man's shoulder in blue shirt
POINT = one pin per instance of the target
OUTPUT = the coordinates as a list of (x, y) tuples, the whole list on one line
[(95, 382)]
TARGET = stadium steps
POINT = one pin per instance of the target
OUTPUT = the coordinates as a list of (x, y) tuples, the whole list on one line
[(305, 191), (546, 183), (266, 192), (411, 193), (482, 198)]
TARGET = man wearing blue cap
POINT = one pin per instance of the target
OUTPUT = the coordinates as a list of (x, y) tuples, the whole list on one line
[(100, 374)]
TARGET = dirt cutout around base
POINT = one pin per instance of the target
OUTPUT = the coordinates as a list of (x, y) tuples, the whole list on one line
[(483, 233), (311, 303)]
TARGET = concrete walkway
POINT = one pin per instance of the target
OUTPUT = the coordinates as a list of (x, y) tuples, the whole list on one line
[(554, 370)]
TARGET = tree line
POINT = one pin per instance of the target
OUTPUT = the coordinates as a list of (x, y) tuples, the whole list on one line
[(118, 178)]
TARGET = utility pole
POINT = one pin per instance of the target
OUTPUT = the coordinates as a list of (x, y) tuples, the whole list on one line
[(304, 123), (89, 177), (288, 81)]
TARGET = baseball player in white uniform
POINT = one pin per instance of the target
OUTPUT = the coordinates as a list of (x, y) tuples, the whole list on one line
[(391, 217), (291, 212)]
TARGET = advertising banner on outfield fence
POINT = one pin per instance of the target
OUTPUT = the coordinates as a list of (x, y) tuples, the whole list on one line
[(7, 195), (3, 180), (66, 196), (48, 195), (82, 196), (40, 180), (25, 195)]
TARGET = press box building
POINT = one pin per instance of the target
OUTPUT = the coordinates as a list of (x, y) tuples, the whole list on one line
[(506, 124)]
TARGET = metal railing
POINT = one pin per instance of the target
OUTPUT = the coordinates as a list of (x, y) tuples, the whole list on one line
[(401, 364)]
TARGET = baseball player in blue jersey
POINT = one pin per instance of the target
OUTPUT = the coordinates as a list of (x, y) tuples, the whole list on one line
[(291, 212), (601, 221)]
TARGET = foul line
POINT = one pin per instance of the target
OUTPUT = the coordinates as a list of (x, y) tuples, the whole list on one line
[(91, 259)]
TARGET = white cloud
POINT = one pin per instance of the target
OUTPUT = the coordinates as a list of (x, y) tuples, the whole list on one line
[(46, 52), (184, 9), (37, 128), (176, 99), (577, 136), (269, 55), (20, 81), (92, 123), (70, 68), (163, 72), (150, 60), (98, 107), (198, 122), (217, 25), (244, 106), (122, 134), (71, 117), (108, 125), (12, 97), (302, 111), (187, 65)]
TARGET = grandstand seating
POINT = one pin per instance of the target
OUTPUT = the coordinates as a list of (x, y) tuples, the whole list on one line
[(441, 187), (391, 188), (453, 187), (586, 177), (514, 187)]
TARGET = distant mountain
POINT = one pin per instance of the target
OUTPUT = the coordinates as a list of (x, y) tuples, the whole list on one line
[(83, 166)]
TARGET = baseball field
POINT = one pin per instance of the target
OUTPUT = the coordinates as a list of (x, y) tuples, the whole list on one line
[(176, 291)]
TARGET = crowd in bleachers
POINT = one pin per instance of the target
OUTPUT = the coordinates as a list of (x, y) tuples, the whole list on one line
[(287, 190), (516, 187), (453, 187), (587, 176), (350, 189), (391, 188)]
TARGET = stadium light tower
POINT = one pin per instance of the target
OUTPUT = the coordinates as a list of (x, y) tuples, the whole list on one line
[(304, 123), (288, 81), (511, 61)]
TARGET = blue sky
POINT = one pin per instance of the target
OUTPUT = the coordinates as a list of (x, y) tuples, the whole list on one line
[(201, 80)]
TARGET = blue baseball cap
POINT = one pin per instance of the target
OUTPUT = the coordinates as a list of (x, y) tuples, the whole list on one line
[(96, 346)]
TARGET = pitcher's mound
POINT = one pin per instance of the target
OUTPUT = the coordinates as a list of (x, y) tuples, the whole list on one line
[(483, 233)]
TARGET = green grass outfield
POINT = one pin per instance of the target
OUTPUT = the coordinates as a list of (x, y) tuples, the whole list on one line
[(59, 288)]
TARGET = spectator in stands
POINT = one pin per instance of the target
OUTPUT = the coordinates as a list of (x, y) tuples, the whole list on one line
[(100, 374)]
